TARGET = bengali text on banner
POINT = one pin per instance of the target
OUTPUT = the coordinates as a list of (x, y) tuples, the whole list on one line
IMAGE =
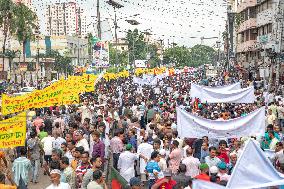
[(13, 131)]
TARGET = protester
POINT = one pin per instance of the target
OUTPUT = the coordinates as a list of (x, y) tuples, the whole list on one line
[(21, 167)]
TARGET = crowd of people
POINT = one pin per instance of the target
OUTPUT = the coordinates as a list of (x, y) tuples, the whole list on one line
[(132, 128)]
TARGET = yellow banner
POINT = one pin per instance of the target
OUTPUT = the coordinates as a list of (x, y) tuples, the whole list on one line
[(13, 131), (49, 96)]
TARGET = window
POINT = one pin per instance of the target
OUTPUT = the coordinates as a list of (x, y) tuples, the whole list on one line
[(269, 29)]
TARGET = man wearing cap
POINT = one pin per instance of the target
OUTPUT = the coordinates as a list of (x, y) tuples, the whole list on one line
[(55, 175), (165, 183), (223, 171), (135, 183), (126, 163), (204, 171)]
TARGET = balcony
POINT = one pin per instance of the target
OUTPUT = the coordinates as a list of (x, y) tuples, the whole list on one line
[(247, 46), (247, 3), (248, 24)]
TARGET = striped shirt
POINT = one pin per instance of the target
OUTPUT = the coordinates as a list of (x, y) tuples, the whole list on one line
[(21, 167)]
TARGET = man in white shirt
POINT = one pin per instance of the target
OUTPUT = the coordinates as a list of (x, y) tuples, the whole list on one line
[(81, 141), (126, 163), (55, 175), (48, 146), (191, 163), (86, 110), (270, 117), (144, 149), (273, 142)]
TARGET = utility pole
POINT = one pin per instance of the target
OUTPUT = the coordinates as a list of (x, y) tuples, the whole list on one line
[(99, 20), (115, 6)]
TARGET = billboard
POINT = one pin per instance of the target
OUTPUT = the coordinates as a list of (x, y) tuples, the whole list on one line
[(101, 54)]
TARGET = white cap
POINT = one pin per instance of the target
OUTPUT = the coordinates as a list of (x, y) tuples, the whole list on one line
[(213, 170)]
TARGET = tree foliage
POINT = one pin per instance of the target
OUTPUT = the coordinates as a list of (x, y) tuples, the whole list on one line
[(196, 56), (26, 21)]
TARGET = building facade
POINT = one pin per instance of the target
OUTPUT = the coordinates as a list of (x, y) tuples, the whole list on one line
[(259, 35), (65, 19)]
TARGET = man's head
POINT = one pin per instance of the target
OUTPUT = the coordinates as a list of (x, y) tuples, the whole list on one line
[(175, 144), (271, 134), (56, 155), (189, 151), (64, 162), (68, 137), (64, 147), (222, 167), (168, 174), (96, 136), (204, 146), (71, 145), (55, 176), (98, 176), (222, 144), (204, 168), (79, 135), (155, 156), (78, 151), (182, 168), (96, 162), (157, 144), (85, 157), (233, 158), (212, 152), (279, 146), (135, 183), (33, 134)]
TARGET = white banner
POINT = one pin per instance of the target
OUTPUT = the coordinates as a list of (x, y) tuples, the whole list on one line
[(200, 184), (254, 170), (192, 126), (196, 90), (222, 95), (148, 80)]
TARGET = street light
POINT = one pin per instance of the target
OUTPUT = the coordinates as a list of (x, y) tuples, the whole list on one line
[(115, 6)]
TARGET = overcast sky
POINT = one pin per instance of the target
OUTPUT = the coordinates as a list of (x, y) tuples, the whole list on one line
[(181, 21)]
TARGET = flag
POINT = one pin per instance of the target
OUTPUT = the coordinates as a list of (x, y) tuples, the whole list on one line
[(117, 181), (254, 170)]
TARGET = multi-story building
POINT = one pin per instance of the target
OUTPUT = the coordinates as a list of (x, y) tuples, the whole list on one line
[(65, 19), (260, 33), (246, 33)]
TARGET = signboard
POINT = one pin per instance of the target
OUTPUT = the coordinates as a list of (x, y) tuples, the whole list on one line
[(140, 63), (101, 54)]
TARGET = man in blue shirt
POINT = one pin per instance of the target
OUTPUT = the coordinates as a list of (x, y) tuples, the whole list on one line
[(152, 168)]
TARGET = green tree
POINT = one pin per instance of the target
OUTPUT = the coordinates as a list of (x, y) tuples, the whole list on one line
[(136, 45), (26, 22), (201, 54), (122, 56), (7, 21), (11, 54), (90, 45), (178, 56)]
